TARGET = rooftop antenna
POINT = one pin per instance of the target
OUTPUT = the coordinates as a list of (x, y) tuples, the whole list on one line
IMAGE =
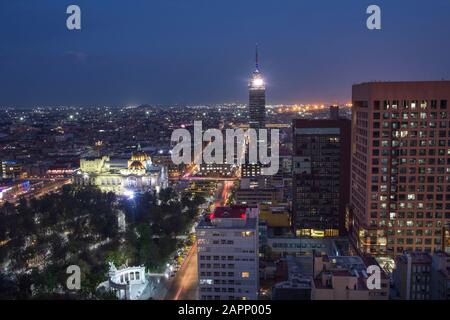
[(256, 58)]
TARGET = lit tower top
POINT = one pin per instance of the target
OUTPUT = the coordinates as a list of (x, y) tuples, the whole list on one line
[(257, 81), (257, 97)]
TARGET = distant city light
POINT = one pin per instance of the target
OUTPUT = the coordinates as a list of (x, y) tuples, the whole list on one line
[(129, 194)]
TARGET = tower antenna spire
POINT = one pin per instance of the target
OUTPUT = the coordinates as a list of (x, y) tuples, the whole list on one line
[(256, 58)]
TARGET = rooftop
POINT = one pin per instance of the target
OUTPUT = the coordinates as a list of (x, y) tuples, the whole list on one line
[(231, 217), (416, 258), (233, 212)]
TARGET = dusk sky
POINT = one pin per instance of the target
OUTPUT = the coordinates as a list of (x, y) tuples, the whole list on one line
[(202, 51)]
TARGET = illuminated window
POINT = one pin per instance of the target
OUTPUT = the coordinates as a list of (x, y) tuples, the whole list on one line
[(245, 274), (206, 281)]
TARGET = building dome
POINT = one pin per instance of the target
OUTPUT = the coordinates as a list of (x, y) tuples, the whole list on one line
[(139, 156), (136, 165)]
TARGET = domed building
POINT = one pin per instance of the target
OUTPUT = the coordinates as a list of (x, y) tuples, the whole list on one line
[(122, 176), (136, 165), (139, 155), (139, 161)]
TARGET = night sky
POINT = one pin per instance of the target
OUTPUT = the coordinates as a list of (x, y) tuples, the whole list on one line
[(202, 51)]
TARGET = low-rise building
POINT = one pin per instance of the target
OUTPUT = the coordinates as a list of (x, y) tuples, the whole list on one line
[(412, 276), (128, 283), (280, 246), (256, 196), (440, 276), (12, 170), (298, 279), (276, 216), (421, 276), (345, 278)]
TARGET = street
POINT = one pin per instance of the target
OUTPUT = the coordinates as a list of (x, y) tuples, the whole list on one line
[(184, 284), (48, 186)]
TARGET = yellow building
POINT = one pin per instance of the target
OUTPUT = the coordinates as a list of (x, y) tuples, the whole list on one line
[(122, 176), (275, 216)]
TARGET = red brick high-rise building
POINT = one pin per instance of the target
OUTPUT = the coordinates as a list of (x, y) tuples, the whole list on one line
[(400, 171)]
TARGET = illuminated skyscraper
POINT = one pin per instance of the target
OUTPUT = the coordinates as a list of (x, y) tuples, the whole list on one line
[(257, 114), (400, 175), (257, 98), (321, 176)]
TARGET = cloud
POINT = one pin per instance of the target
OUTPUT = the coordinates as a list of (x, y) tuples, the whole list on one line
[(77, 56)]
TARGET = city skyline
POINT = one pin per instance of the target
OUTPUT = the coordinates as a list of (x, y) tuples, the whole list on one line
[(308, 51), (123, 176)]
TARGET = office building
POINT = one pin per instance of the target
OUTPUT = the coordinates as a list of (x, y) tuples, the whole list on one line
[(400, 170), (334, 112), (276, 216), (440, 276), (228, 267), (253, 197), (421, 276), (321, 166), (412, 276)]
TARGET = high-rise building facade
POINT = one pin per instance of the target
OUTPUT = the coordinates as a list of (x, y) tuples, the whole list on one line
[(400, 171), (257, 116), (412, 276), (228, 267), (257, 98), (334, 112), (321, 166)]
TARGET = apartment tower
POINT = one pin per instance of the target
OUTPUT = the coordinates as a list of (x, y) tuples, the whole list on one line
[(400, 170)]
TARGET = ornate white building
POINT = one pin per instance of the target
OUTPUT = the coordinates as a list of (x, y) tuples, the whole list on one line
[(138, 174), (128, 283)]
